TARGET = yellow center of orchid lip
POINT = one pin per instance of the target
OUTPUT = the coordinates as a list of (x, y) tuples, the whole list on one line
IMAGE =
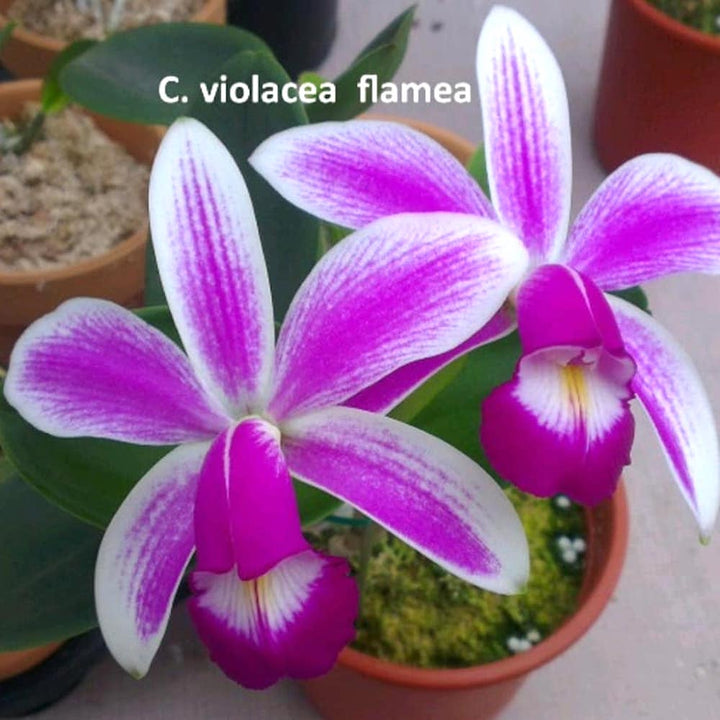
[(575, 385)]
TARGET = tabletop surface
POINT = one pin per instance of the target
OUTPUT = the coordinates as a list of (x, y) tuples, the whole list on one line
[(655, 652)]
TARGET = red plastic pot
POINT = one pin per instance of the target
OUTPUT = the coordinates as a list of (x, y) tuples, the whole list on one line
[(659, 88), (361, 687)]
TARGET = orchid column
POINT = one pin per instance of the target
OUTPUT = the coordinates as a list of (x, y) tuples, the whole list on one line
[(246, 413), (563, 423)]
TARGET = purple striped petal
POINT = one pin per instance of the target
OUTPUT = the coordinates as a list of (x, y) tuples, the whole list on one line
[(669, 388), (384, 395), (355, 172), (246, 514), (94, 369), (656, 215), (212, 266), (418, 487), (563, 423), (143, 556), (405, 288), (292, 621), (527, 132)]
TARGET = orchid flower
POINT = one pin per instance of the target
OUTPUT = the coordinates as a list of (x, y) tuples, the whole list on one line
[(563, 423), (247, 414)]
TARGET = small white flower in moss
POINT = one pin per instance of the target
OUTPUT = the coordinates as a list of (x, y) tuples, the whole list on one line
[(564, 542), (578, 545), (562, 502), (569, 557), (533, 636), (517, 644)]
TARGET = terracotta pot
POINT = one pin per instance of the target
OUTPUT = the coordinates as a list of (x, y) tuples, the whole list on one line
[(20, 661), (659, 88), (51, 677), (29, 54), (118, 275), (361, 687)]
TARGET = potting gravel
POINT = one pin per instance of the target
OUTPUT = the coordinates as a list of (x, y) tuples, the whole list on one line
[(73, 195), (62, 19)]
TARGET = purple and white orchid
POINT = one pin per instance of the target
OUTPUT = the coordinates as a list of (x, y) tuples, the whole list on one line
[(247, 413), (563, 423)]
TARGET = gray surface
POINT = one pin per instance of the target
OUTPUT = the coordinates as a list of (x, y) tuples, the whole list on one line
[(655, 653)]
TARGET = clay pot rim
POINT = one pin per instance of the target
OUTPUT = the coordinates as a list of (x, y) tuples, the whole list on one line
[(675, 28), (56, 45), (514, 666), (121, 250)]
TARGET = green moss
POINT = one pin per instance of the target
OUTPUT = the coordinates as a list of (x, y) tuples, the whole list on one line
[(700, 14), (415, 613)]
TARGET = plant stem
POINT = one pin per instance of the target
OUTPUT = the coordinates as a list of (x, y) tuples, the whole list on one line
[(29, 134)]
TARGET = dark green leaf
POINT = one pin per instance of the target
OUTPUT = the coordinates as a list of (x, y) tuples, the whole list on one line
[(382, 57), (154, 293), (47, 561), (53, 98), (6, 33), (120, 76), (454, 414), (635, 295), (477, 167), (289, 236)]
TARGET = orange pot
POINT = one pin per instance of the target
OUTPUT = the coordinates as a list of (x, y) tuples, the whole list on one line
[(118, 275), (29, 54), (659, 88), (361, 687), (20, 661)]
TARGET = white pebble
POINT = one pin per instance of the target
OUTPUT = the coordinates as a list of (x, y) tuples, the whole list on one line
[(562, 501), (533, 636), (564, 542), (569, 556), (524, 645)]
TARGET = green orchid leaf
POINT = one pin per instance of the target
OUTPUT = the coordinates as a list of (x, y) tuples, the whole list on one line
[(477, 167), (121, 76), (635, 295), (289, 236), (47, 562), (453, 414), (53, 98), (6, 34), (382, 58)]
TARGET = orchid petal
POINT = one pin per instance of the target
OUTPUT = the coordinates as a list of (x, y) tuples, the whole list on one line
[(92, 368), (669, 388), (246, 514), (527, 131), (404, 288), (384, 395), (143, 556), (421, 489), (211, 264), (563, 424), (355, 172), (293, 621), (656, 215)]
